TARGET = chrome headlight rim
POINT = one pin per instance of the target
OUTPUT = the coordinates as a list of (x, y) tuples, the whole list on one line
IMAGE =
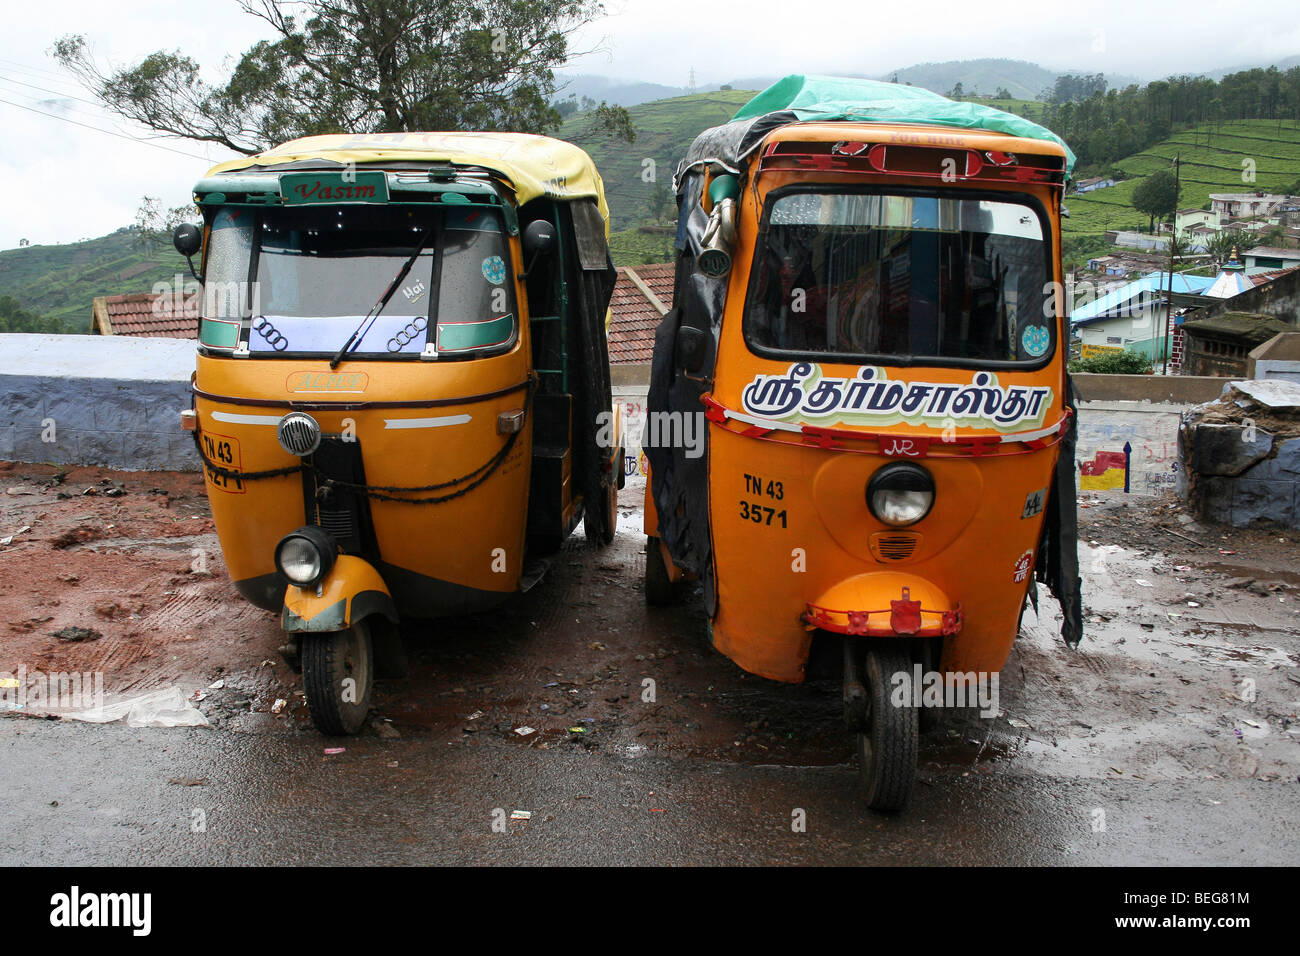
[(298, 434), (320, 545), (903, 478)]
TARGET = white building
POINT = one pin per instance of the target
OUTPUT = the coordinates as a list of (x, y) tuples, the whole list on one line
[(1245, 205), (1187, 219)]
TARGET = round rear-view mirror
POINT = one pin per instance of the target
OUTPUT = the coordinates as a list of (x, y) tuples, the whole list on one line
[(187, 238), (539, 237)]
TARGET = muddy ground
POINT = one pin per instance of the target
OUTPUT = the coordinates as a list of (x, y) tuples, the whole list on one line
[(1188, 674)]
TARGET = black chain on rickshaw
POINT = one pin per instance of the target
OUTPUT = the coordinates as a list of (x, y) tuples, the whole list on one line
[(380, 492)]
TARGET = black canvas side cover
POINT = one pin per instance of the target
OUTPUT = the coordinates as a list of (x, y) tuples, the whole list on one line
[(592, 285), (678, 475), (1058, 553)]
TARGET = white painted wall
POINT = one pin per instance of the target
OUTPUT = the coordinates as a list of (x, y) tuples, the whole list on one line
[(113, 401)]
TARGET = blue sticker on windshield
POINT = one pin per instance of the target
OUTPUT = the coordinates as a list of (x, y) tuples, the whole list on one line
[(494, 270), (1035, 340)]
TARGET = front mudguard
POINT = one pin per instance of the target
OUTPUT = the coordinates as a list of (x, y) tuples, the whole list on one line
[(351, 591)]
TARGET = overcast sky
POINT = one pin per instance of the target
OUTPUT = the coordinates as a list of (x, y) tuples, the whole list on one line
[(74, 183)]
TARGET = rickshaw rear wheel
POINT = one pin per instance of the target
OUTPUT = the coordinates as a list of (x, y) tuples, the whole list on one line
[(600, 516), (659, 589), (338, 676), (887, 748)]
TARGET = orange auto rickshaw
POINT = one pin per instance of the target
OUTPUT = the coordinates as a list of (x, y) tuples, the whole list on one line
[(869, 314), (402, 396)]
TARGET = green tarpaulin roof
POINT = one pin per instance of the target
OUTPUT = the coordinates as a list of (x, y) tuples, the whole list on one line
[(870, 101)]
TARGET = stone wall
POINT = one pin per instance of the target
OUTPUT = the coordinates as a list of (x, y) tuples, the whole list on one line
[(1241, 455), (96, 400)]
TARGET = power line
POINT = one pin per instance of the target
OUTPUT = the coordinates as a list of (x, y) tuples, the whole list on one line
[(97, 129), (60, 105), (65, 96), (36, 70)]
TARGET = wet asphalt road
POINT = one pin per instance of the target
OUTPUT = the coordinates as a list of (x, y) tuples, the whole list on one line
[(101, 795), (1135, 750)]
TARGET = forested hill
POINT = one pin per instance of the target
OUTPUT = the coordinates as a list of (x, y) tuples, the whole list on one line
[(58, 283)]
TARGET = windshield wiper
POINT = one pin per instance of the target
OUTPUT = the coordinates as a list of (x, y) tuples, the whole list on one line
[(360, 331)]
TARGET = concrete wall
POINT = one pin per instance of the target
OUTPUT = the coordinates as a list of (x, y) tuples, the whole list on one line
[(1175, 389), (1129, 329), (1278, 358), (113, 401), (1151, 432)]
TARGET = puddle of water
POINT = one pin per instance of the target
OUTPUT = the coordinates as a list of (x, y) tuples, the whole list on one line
[(1291, 578)]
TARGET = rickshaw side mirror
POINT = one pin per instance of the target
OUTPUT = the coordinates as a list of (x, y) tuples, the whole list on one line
[(188, 239), (691, 349), (539, 237), (539, 240)]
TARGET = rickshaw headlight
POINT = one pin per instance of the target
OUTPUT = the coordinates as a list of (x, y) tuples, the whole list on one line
[(305, 556), (900, 494)]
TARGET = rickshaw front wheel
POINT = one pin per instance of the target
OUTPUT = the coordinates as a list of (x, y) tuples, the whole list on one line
[(887, 748), (338, 677)]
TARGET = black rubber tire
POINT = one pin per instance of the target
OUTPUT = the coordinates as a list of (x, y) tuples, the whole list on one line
[(887, 750), (327, 661), (659, 590), (600, 516), (932, 719)]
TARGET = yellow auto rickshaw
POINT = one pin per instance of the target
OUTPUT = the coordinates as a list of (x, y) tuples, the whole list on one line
[(868, 312), (402, 396)]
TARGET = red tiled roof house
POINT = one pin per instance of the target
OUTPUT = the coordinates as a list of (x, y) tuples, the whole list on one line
[(145, 314), (642, 295)]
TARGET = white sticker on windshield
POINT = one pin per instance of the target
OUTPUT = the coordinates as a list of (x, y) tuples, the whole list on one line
[(414, 292), (325, 333), (872, 398)]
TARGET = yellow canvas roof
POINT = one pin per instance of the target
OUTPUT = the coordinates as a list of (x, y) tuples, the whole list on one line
[(536, 165)]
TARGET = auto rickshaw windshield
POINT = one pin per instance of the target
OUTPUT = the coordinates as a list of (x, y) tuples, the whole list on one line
[(871, 275), (319, 270)]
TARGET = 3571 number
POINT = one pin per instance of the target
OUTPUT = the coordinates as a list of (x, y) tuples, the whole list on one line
[(761, 514)]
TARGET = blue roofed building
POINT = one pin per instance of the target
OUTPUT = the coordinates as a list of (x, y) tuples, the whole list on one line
[(1132, 315)]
